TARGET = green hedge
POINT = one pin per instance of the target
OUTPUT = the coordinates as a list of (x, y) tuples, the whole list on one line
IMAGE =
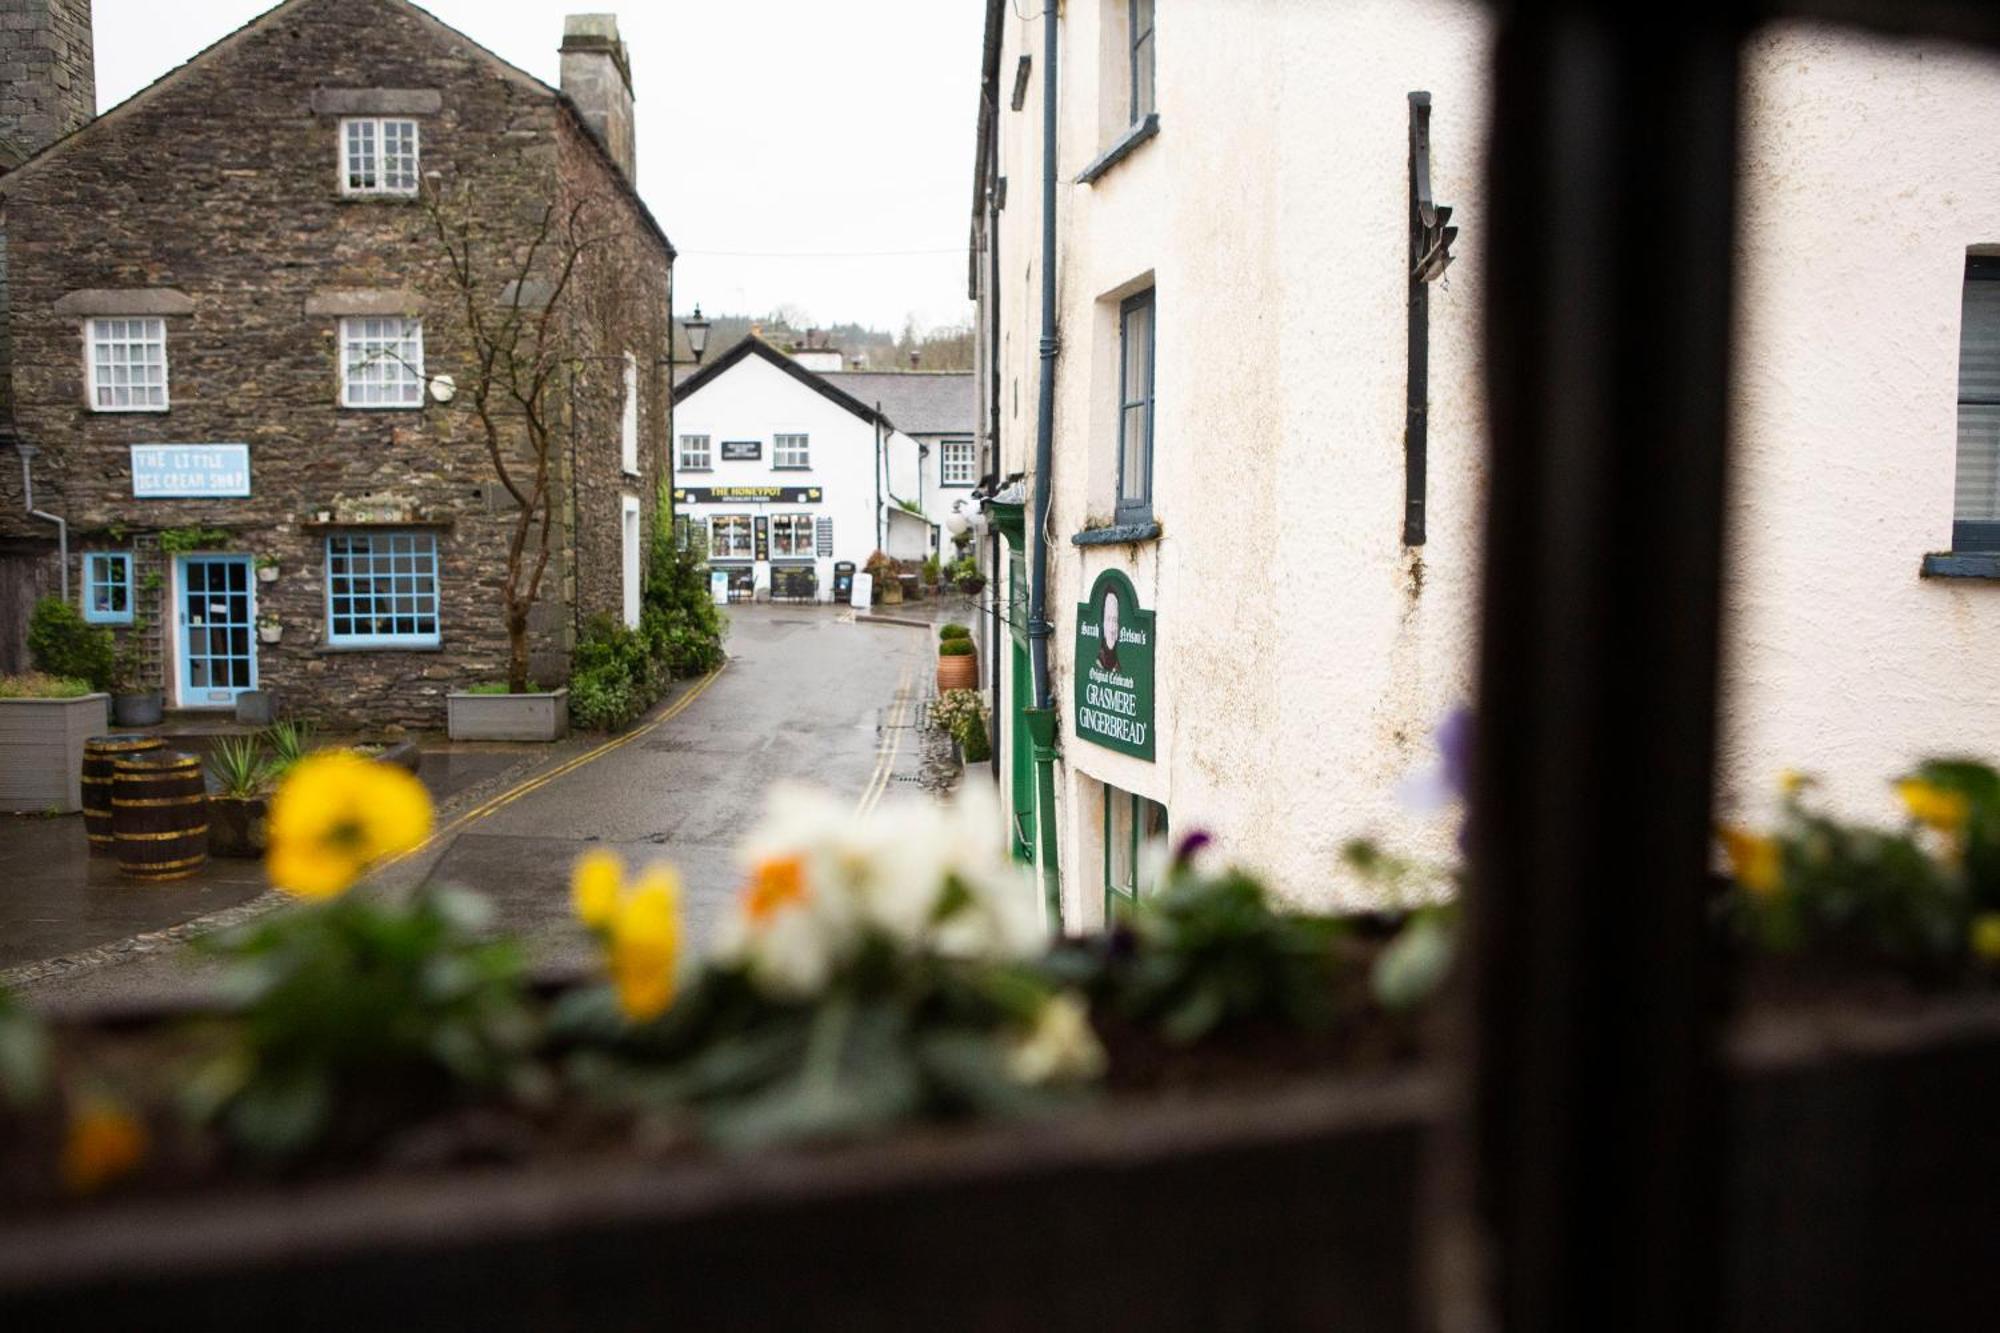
[(62, 643)]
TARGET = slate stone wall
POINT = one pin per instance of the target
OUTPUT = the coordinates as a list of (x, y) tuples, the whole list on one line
[(48, 84), (223, 185)]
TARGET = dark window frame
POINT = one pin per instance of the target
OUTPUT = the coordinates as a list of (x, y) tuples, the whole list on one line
[(1136, 40), (1130, 506), (1974, 535)]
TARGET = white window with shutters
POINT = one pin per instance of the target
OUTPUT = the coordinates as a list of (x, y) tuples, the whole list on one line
[(1976, 508)]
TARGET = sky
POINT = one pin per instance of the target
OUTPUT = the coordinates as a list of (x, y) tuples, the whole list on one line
[(798, 152)]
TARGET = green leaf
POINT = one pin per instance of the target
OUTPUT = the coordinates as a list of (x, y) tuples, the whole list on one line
[(280, 1117), (24, 1054)]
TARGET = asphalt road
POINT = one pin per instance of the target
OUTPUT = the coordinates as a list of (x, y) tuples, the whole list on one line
[(807, 694)]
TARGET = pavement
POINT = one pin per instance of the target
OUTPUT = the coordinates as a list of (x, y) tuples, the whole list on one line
[(810, 693)]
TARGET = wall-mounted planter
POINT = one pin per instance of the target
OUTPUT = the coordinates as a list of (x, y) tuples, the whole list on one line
[(267, 573), (270, 633), (41, 750), (508, 717)]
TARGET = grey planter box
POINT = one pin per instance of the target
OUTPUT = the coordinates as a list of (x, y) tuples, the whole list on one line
[(508, 717), (41, 750)]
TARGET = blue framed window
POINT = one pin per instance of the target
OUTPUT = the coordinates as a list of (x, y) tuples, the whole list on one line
[(107, 587), (382, 589), (1135, 409)]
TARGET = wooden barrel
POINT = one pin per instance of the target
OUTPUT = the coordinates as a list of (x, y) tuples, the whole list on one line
[(100, 755), (159, 815)]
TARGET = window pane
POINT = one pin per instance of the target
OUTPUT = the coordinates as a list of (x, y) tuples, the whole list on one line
[(382, 585)]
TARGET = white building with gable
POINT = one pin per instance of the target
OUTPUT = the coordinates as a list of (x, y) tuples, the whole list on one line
[(790, 474)]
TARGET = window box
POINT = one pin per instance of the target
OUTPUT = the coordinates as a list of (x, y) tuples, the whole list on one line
[(542, 716), (41, 751), (1880, 1122)]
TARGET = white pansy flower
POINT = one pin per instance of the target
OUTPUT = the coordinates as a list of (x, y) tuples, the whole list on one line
[(1060, 1048)]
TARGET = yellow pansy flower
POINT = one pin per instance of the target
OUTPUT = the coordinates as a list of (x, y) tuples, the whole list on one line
[(336, 815), (775, 883), (594, 887), (103, 1142), (1934, 806), (1755, 860), (645, 946), (1791, 782), (1986, 937)]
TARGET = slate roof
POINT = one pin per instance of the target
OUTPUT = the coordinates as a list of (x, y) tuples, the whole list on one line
[(920, 402)]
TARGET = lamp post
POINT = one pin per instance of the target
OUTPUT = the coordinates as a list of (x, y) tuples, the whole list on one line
[(696, 329)]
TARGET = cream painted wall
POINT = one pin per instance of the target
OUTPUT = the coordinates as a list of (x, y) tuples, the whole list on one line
[(1304, 656), (1872, 166)]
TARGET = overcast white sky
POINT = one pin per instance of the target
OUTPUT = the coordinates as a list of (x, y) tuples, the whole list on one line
[(768, 129)]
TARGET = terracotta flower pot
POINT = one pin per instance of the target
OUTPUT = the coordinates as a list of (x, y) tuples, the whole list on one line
[(958, 673)]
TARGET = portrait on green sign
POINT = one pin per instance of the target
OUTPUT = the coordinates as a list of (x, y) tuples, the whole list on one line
[(1114, 657), (1107, 628)]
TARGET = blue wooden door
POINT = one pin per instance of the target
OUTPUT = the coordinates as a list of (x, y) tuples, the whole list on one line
[(218, 623)]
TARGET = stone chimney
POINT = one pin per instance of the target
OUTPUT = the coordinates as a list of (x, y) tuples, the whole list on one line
[(597, 76), (48, 80)]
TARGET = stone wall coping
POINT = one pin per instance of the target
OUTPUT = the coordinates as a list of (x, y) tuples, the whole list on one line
[(125, 301), (377, 101), (364, 301)]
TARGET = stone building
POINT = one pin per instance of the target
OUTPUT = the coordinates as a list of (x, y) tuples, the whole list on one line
[(1268, 424), (253, 372)]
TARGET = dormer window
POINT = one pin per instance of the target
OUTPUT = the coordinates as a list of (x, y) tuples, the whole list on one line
[(378, 156)]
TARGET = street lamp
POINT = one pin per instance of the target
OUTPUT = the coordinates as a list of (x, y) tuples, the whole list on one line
[(697, 333)]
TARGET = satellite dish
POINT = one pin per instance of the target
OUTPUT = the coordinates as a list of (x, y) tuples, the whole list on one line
[(443, 388)]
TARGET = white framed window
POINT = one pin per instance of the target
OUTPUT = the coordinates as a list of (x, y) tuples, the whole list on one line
[(695, 456), (790, 451), (955, 463), (381, 362), (378, 156), (791, 536), (729, 537), (382, 589), (127, 365), (628, 427)]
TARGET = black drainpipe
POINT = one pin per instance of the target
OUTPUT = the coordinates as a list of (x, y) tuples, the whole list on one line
[(1416, 430), (1041, 720)]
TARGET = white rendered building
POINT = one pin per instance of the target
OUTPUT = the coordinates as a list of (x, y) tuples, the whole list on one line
[(790, 474)]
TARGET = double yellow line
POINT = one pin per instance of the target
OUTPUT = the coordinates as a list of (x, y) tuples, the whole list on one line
[(885, 753), (513, 794)]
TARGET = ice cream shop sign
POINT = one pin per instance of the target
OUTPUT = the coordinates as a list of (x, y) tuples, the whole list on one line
[(190, 471), (1114, 667)]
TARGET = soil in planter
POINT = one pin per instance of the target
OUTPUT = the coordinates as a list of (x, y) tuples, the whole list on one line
[(403, 1130)]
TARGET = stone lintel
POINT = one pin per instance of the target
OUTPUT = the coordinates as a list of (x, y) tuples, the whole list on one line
[(377, 101), (378, 301), (125, 301)]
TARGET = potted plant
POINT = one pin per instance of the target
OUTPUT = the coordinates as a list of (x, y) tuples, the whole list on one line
[(135, 702), (965, 573), (269, 629), (958, 660), (962, 714), (44, 722), (240, 772), (883, 571), (267, 569)]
